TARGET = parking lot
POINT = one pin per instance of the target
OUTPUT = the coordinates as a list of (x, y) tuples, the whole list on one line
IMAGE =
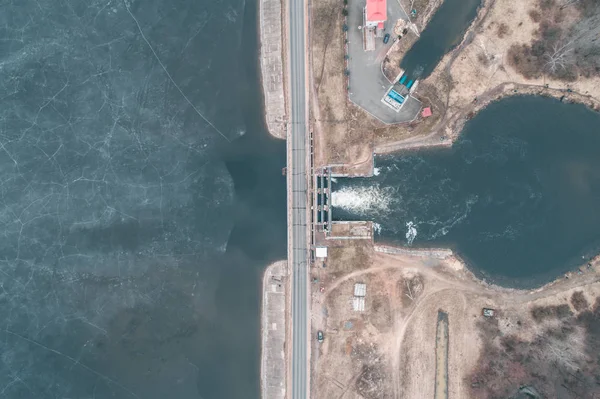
[(367, 82)]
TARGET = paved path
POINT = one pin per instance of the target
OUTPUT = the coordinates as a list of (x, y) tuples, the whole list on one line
[(273, 332), (298, 191)]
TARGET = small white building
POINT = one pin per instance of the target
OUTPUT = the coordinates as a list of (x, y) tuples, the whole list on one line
[(358, 301), (358, 304), (360, 290), (321, 252)]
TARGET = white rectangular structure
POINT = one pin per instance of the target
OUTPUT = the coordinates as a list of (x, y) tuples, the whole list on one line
[(360, 290), (321, 252), (358, 304)]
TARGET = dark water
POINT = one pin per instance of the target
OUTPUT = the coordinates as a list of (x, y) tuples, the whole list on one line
[(133, 233), (444, 31), (518, 196)]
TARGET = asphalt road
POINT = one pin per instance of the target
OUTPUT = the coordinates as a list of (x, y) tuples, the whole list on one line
[(298, 181)]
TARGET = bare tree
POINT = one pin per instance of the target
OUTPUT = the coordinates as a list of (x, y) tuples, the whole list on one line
[(568, 3), (409, 294), (568, 352), (560, 57)]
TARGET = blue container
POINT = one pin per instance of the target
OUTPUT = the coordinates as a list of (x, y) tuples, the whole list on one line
[(393, 94)]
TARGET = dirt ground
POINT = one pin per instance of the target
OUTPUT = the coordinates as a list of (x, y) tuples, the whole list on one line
[(387, 136), (344, 134), (471, 76), (388, 351), (424, 8), (480, 72)]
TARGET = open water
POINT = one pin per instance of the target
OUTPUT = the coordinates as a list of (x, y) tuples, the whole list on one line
[(140, 199), (444, 31), (517, 196)]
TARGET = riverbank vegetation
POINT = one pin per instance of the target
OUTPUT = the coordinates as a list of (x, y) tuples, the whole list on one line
[(559, 359), (345, 134), (543, 343), (566, 44), (536, 47), (423, 11), (342, 134)]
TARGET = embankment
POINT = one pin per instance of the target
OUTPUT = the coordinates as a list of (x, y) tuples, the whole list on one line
[(271, 65), (273, 332)]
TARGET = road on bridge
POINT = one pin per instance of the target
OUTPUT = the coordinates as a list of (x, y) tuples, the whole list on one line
[(297, 188)]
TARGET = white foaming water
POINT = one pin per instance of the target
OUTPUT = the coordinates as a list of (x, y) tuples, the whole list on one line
[(448, 225), (231, 14), (333, 179), (377, 228), (362, 200), (376, 171), (222, 248), (411, 232)]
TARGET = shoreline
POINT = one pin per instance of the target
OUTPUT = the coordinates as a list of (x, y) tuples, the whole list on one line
[(457, 114), (274, 332), (455, 127), (455, 262), (450, 127), (406, 341), (513, 89), (463, 100), (271, 59), (462, 105), (452, 283)]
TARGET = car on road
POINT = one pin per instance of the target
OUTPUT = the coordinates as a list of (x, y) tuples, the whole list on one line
[(386, 38), (320, 336)]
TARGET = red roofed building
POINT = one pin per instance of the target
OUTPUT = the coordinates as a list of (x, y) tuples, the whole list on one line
[(375, 13)]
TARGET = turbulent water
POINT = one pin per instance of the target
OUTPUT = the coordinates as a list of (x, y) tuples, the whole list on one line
[(363, 200), (517, 196), (140, 199)]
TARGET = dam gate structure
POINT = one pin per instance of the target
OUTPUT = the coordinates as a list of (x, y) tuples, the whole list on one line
[(324, 228), (322, 202)]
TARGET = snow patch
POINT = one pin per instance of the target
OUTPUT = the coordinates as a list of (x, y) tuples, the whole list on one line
[(411, 232), (377, 228)]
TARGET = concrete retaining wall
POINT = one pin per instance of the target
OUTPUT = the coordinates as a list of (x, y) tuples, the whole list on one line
[(271, 62)]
